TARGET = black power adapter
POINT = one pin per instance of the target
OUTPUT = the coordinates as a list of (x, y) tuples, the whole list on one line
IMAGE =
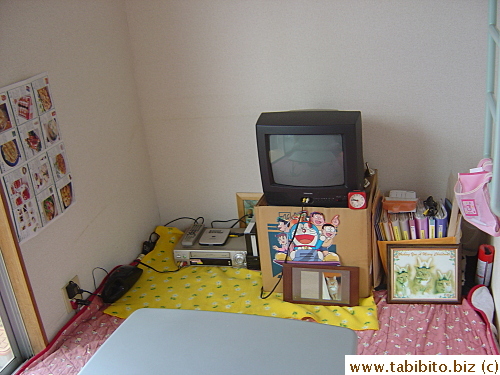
[(72, 289), (149, 245)]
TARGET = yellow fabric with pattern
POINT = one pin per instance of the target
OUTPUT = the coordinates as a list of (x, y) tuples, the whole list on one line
[(226, 289)]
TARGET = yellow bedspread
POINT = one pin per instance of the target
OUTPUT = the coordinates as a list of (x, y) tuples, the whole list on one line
[(226, 289)]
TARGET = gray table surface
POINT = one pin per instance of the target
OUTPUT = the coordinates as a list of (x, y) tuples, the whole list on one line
[(165, 341)]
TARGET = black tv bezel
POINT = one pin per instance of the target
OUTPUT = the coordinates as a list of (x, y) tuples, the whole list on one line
[(344, 123)]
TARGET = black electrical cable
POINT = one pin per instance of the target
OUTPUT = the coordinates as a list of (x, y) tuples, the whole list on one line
[(154, 269), (272, 290), (186, 217), (286, 258), (240, 220), (86, 291), (93, 275), (172, 221), (149, 245), (236, 221), (293, 236)]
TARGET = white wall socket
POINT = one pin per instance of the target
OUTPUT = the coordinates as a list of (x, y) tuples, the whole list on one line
[(67, 301)]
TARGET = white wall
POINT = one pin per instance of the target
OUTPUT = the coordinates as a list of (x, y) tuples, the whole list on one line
[(206, 69), (85, 48)]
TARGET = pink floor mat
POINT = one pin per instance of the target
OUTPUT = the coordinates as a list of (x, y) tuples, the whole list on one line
[(404, 329), (73, 346), (427, 329)]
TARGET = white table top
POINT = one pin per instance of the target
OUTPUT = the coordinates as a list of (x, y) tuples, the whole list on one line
[(165, 341)]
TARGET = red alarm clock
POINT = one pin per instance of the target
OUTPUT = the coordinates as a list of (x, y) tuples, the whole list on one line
[(356, 199)]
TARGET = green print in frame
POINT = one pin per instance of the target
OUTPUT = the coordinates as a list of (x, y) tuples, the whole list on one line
[(246, 203), (424, 274)]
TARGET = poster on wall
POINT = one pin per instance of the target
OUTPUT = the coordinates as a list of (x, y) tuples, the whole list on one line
[(34, 168)]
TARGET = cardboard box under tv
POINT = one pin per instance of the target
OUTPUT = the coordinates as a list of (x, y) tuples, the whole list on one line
[(352, 241)]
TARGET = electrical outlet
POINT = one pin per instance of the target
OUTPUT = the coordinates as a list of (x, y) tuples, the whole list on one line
[(67, 300)]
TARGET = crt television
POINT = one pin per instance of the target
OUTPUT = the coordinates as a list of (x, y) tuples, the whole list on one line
[(310, 157)]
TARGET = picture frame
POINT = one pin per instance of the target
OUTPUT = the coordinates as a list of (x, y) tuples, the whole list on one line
[(246, 203), (424, 274), (317, 284)]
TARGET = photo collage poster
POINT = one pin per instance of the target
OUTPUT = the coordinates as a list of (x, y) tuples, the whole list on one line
[(34, 167)]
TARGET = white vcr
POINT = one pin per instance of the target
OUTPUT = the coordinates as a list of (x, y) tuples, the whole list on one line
[(233, 253)]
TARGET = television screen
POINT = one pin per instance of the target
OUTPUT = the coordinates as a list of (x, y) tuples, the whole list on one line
[(306, 160), (310, 157)]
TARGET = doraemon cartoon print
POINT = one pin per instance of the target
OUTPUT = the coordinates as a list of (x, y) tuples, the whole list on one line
[(305, 238)]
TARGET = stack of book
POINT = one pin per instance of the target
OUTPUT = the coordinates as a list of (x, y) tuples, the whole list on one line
[(414, 225)]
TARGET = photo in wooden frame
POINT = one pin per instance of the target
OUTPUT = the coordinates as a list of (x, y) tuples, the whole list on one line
[(318, 284), (424, 274), (246, 203)]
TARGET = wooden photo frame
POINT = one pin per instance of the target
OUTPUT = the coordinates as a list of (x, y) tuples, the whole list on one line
[(318, 284), (246, 203), (424, 274)]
